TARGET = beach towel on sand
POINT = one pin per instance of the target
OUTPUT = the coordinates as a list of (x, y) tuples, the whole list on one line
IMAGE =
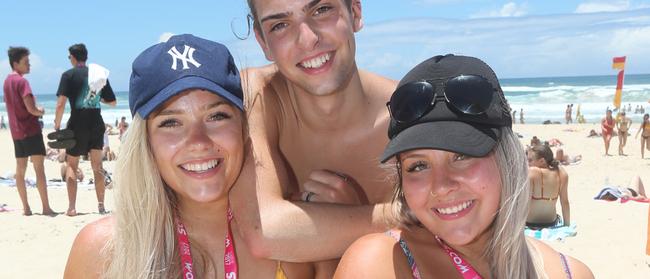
[(558, 232)]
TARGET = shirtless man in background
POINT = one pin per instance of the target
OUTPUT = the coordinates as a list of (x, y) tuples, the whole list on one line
[(318, 126)]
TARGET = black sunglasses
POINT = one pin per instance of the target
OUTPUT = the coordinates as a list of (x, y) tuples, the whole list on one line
[(468, 94)]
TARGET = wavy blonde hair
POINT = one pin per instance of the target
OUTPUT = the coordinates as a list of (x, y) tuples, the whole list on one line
[(509, 254), (143, 244)]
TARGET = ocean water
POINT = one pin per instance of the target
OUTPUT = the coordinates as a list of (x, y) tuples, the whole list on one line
[(546, 98), (543, 98)]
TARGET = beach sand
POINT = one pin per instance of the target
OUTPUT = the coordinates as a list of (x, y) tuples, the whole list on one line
[(611, 236)]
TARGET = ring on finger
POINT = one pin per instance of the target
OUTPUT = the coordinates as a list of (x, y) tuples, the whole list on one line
[(309, 195)]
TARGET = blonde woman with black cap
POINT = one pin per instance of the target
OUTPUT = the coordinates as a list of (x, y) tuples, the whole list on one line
[(461, 197), (181, 156)]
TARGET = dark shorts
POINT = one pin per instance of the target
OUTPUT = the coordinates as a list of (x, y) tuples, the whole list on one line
[(87, 140), (29, 146)]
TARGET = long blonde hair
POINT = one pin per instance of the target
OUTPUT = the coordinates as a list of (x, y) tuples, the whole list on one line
[(509, 254), (143, 244)]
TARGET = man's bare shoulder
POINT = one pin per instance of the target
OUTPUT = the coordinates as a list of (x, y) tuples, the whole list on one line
[(377, 84)]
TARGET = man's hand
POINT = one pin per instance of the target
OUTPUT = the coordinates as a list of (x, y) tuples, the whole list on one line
[(331, 187), (57, 125)]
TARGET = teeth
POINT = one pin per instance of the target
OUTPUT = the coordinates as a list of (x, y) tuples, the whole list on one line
[(316, 62), (200, 167), (454, 209)]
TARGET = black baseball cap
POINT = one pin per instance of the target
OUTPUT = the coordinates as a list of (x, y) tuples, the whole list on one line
[(183, 62), (443, 127)]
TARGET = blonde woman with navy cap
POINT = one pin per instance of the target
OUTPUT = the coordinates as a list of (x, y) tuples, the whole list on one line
[(461, 197), (183, 152)]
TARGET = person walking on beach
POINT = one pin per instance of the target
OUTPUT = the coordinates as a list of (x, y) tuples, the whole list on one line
[(3, 124), (521, 116), (514, 116), (312, 94), (623, 124), (85, 121), (122, 126), (568, 113), (26, 133), (607, 127), (644, 129)]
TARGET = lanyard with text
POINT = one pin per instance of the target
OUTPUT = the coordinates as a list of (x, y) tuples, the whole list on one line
[(229, 256), (463, 267)]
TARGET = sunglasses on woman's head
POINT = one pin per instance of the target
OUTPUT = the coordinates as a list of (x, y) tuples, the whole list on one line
[(468, 94)]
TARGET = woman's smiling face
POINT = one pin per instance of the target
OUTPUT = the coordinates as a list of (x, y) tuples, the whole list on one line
[(197, 141), (454, 196)]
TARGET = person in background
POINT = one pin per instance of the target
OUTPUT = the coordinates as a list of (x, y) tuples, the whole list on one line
[(607, 127), (122, 127), (27, 134), (644, 130), (548, 183), (623, 125), (85, 121)]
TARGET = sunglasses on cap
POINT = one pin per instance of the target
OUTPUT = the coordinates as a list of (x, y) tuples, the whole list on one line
[(468, 94)]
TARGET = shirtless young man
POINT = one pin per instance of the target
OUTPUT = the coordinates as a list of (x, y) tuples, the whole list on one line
[(317, 126), (623, 125)]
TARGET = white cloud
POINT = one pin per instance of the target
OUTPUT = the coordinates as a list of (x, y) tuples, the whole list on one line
[(597, 7), (550, 45), (510, 9), (165, 36)]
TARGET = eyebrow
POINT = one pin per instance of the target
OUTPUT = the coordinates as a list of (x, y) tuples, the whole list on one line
[(287, 14), (204, 107)]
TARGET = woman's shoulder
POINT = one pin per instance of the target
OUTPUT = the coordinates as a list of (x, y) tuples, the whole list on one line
[(554, 265), (87, 258), (370, 256)]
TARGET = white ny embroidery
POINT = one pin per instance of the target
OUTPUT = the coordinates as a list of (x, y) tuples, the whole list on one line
[(185, 57)]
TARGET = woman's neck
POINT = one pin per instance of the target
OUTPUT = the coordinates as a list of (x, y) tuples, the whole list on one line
[(203, 219)]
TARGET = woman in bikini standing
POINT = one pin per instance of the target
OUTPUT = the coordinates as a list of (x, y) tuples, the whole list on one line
[(461, 193), (548, 182), (607, 126), (644, 129)]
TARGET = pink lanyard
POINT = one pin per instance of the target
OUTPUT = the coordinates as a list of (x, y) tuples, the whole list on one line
[(229, 257), (463, 267)]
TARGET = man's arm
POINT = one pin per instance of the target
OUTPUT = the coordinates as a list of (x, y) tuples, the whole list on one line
[(274, 227), (58, 114), (107, 95), (31, 106)]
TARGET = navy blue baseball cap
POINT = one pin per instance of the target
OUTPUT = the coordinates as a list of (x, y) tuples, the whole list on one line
[(183, 62)]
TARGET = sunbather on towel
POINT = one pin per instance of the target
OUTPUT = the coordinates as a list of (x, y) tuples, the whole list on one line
[(635, 191)]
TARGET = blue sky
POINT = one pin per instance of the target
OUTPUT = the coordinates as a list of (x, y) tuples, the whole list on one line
[(517, 38)]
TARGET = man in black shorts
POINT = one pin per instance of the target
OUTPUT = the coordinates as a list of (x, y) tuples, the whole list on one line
[(85, 121), (25, 131)]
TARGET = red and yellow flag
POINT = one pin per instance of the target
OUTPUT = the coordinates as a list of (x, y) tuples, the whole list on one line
[(619, 64)]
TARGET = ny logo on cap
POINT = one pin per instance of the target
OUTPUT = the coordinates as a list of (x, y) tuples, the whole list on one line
[(185, 57)]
